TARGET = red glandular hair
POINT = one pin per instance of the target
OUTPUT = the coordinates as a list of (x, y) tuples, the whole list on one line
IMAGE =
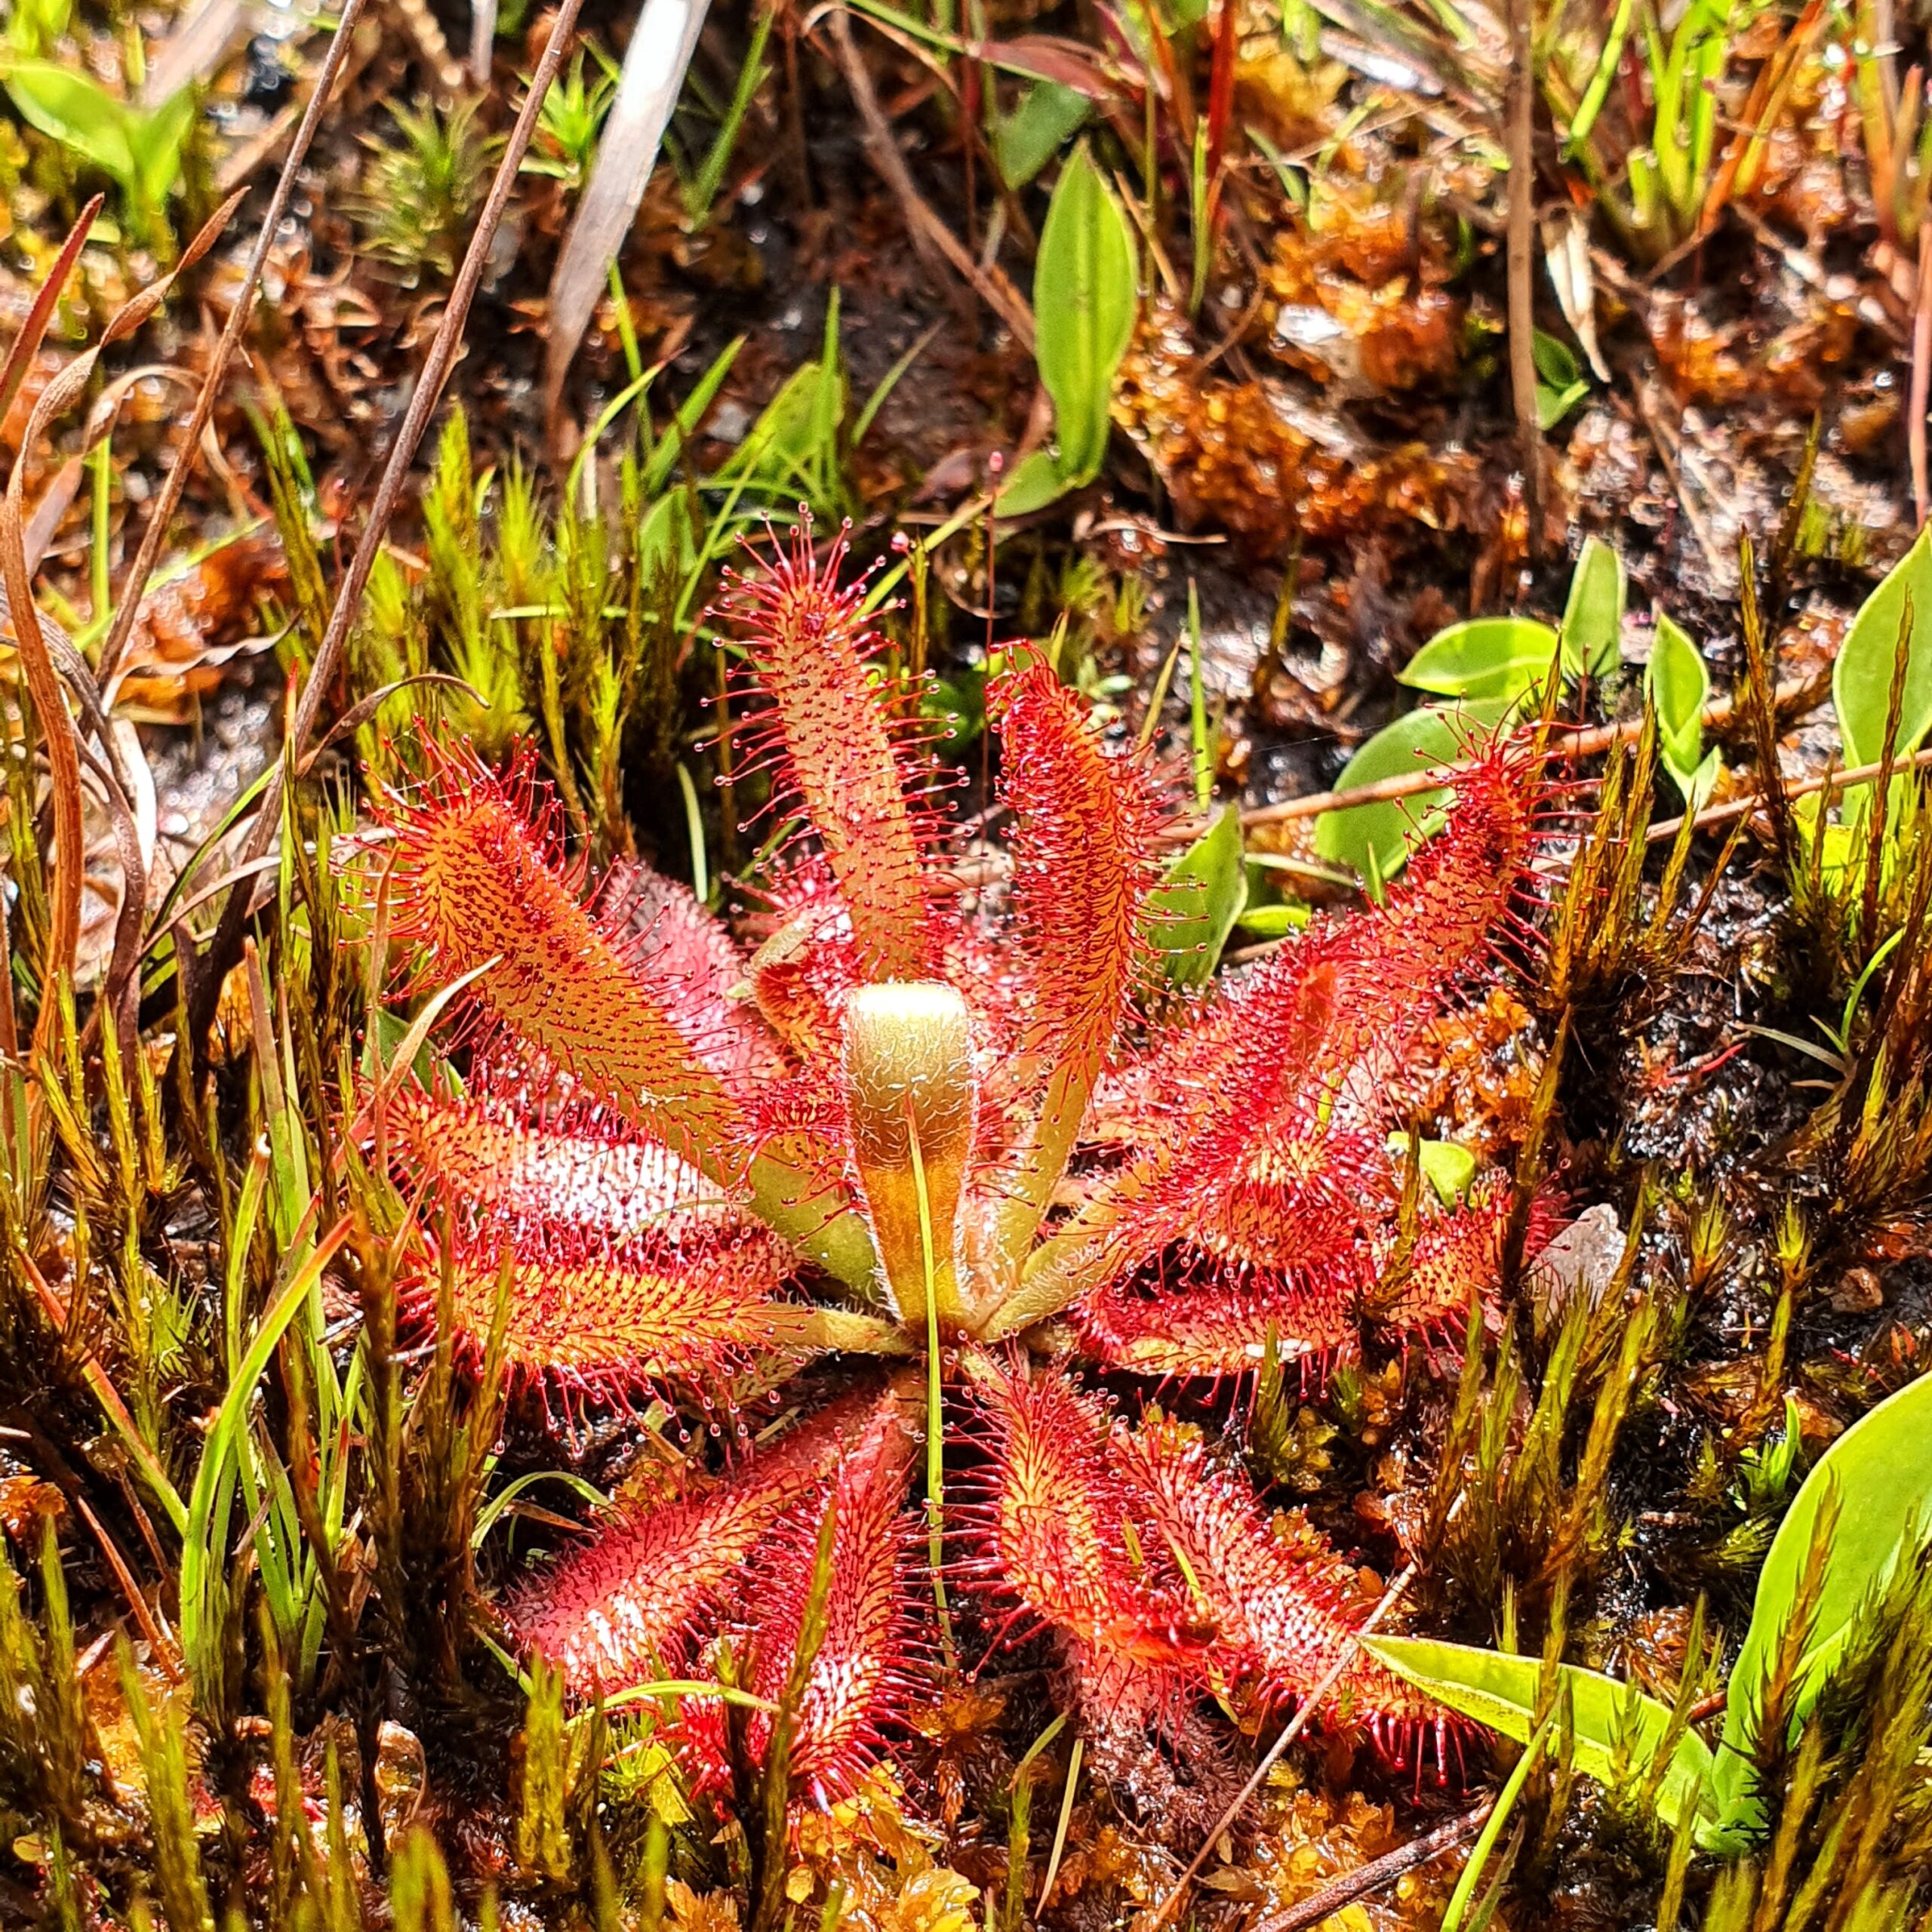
[(1191, 1320), (1389, 970), (1458, 1255), (1461, 895), (629, 1604), (867, 1665), (1086, 819), (818, 719), (477, 881), (604, 1318), (1052, 1527), (1285, 1248), (498, 1158)]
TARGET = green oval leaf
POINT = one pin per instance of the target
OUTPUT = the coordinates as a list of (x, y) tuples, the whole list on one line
[(1883, 1473), (1375, 838), (1191, 914), (1500, 1691), (1085, 294), (1025, 140), (77, 112), (1678, 685), (1447, 1166), (1274, 922), (1862, 678), (1485, 657), (1593, 617), (1552, 405), (1555, 364), (1698, 784), (1034, 481), (156, 142)]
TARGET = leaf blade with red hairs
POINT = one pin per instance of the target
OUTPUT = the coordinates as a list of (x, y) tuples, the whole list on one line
[(841, 761), (860, 1678), (1085, 819), (627, 1604), (476, 883)]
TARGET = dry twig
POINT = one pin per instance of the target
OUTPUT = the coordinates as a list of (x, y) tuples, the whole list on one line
[(1797, 694), (37, 659), (1830, 783), (1521, 250), (1921, 376), (1370, 1878)]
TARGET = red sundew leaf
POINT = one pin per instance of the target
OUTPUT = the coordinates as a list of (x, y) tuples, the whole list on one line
[(1460, 1253), (1303, 1198), (1053, 1528), (1445, 917), (860, 1683), (1216, 1319), (628, 1604), (476, 881), (1305, 1046), (485, 1152), (1193, 1150), (1287, 1606), (609, 1317), (840, 758), (1394, 967), (1221, 1325), (1086, 818)]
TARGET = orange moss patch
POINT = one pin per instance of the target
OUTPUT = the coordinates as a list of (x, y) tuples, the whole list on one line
[(1234, 454)]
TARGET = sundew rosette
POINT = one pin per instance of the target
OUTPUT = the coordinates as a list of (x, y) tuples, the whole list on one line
[(890, 1109)]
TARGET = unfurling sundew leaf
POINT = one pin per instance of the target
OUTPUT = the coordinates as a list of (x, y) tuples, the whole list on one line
[(1486, 658)]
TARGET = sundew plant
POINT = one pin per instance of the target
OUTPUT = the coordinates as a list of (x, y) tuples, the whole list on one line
[(931, 1164)]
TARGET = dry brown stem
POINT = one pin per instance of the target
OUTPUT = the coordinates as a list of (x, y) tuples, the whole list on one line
[(1586, 741)]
